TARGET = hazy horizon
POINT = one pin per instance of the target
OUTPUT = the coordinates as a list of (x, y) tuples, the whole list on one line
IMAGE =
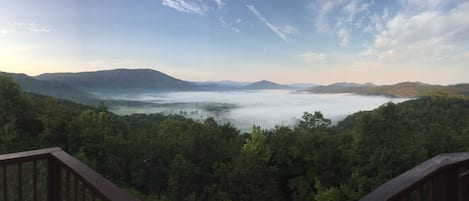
[(249, 81), (306, 41)]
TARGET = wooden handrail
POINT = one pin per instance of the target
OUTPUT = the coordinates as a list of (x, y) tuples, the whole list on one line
[(443, 165), (57, 162), (27, 155)]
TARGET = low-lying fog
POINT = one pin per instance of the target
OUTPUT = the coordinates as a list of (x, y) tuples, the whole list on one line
[(265, 108)]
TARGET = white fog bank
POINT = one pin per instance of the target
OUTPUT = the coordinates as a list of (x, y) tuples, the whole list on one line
[(265, 108)]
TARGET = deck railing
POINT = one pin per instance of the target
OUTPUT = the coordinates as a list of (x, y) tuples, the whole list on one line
[(442, 178), (52, 174)]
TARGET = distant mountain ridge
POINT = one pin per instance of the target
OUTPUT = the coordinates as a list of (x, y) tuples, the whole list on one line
[(55, 89), (135, 80), (119, 80), (403, 89), (226, 83), (264, 84)]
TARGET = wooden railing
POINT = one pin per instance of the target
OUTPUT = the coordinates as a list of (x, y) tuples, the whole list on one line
[(52, 174), (442, 178)]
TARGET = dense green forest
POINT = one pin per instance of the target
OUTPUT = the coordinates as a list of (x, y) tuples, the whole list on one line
[(158, 157)]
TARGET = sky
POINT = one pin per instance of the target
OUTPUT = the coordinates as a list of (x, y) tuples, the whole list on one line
[(286, 41)]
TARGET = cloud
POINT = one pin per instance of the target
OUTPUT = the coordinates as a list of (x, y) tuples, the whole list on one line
[(220, 3), (424, 34), (354, 8), (239, 21), (344, 32), (281, 32), (34, 27), (421, 5), (25, 48), (11, 27), (340, 17), (311, 57), (288, 29), (228, 25), (187, 6)]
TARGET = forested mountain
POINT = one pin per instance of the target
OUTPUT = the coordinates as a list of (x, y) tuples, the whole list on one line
[(138, 80), (55, 89), (264, 84), (120, 80), (162, 158), (403, 89)]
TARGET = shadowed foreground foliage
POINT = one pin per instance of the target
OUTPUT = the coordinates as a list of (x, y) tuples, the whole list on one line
[(160, 157)]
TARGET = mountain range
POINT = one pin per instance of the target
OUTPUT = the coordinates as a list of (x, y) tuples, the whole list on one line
[(136, 80), (402, 90), (88, 87), (119, 80)]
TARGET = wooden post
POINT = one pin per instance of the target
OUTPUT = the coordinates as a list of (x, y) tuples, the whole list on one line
[(452, 179), (54, 174)]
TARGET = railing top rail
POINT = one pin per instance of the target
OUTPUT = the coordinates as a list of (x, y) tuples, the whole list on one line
[(27, 155), (416, 176), (101, 185)]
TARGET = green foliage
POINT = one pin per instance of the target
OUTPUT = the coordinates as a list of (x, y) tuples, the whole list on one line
[(181, 179), (157, 157), (312, 121), (54, 117), (329, 194), (256, 145)]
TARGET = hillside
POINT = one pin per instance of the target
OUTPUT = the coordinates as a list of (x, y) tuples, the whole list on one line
[(51, 88), (119, 80), (403, 89), (264, 84)]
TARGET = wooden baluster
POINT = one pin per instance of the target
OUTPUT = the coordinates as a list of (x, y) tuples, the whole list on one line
[(93, 196), (430, 190), (76, 187), (20, 181), (5, 184), (35, 180), (67, 188), (83, 191), (461, 192), (419, 193)]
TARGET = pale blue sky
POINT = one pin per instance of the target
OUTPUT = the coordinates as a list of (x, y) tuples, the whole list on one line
[(318, 41)]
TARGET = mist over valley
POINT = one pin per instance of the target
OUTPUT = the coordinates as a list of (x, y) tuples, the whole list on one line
[(265, 108)]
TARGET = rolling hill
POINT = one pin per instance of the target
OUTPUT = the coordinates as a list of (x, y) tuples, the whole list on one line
[(264, 84), (120, 80), (403, 89), (55, 89)]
